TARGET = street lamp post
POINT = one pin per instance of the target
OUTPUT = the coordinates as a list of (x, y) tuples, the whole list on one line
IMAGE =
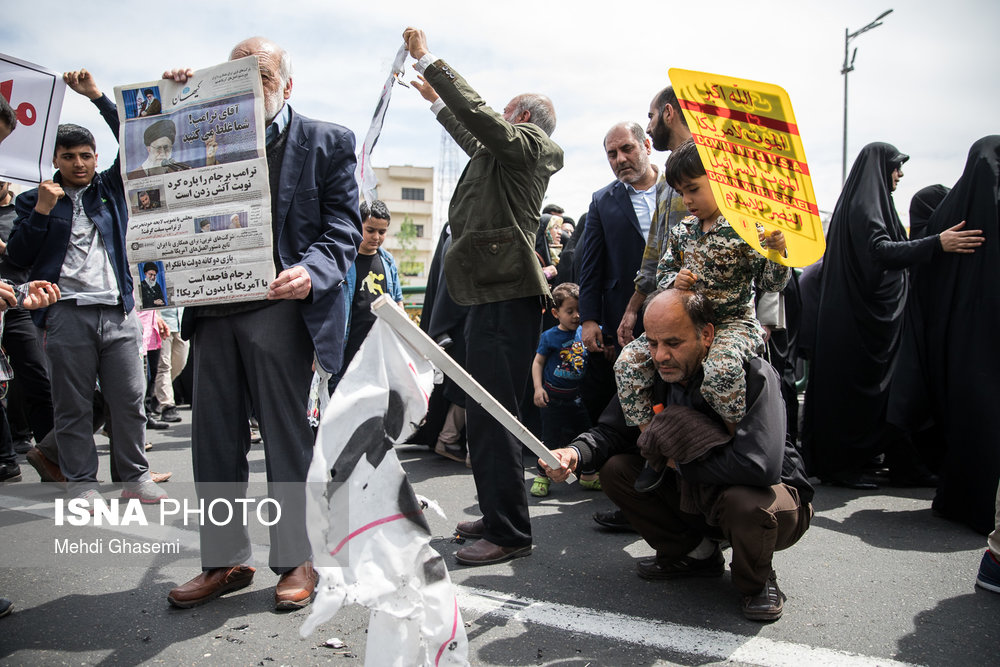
[(849, 67)]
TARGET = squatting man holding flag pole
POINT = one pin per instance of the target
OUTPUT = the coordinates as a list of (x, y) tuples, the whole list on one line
[(491, 267), (749, 488)]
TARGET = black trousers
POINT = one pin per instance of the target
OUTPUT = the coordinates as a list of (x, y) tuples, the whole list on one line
[(22, 340), (501, 339), (261, 359)]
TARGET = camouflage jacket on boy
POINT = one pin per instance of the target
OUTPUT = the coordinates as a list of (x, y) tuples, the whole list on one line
[(728, 268)]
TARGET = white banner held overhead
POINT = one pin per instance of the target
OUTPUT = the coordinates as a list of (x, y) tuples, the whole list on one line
[(364, 174), (36, 94)]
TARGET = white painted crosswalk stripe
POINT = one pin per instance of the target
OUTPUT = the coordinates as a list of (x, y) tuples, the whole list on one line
[(713, 644)]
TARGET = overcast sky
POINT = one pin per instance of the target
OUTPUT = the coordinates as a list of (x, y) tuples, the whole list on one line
[(925, 81)]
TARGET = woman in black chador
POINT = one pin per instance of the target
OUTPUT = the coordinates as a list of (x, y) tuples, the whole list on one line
[(960, 299), (860, 317), (909, 400)]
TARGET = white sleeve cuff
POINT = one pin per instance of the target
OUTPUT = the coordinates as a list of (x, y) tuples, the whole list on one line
[(437, 105), (424, 61)]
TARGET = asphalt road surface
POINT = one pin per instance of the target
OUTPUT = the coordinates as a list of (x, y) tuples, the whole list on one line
[(877, 580)]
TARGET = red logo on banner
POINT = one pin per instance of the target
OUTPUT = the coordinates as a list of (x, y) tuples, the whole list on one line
[(26, 114)]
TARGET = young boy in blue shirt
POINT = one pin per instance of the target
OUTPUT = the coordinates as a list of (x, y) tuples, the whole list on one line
[(557, 371)]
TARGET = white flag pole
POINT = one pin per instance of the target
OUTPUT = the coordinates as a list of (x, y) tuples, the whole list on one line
[(386, 309)]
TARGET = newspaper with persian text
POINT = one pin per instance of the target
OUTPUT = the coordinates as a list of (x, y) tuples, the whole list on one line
[(196, 180)]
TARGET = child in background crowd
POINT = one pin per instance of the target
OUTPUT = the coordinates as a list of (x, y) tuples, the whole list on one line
[(557, 371)]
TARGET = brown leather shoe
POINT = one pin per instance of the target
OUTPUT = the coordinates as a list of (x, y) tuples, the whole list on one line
[(485, 552), (48, 470), (768, 604), (210, 584), (471, 530), (295, 588)]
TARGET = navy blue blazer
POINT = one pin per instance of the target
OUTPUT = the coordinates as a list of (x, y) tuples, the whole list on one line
[(611, 253), (318, 225)]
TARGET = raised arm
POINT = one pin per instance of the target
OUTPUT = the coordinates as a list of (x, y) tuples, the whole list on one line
[(498, 135), (82, 82), (465, 140)]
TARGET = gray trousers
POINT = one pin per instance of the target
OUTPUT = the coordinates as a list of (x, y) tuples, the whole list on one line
[(261, 358), (84, 345), (173, 359)]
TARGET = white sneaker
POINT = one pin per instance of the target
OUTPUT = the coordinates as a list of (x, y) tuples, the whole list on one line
[(89, 495), (147, 492)]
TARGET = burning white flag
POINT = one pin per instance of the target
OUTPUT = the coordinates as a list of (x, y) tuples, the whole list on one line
[(368, 532)]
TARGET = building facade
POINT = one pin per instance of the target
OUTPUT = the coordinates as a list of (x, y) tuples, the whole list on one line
[(409, 194)]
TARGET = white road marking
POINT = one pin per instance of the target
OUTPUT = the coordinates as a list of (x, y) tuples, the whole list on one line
[(714, 644)]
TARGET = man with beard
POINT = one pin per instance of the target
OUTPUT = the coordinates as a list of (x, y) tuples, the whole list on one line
[(159, 141), (146, 202), (268, 346), (152, 293), (748, 488), (667, 129), (618, 222), (152, 106)]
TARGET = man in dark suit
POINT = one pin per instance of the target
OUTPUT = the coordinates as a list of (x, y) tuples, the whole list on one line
[(618, 223), (259, 354)]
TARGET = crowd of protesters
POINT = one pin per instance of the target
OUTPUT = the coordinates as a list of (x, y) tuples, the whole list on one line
[(665, 376)]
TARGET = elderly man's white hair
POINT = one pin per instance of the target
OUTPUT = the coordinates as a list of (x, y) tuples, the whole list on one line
[(257, 43)]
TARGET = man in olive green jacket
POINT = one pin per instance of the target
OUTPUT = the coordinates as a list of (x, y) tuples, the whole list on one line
[(491, 267)]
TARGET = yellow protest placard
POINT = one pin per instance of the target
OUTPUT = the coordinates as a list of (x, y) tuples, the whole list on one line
[(750, 145)]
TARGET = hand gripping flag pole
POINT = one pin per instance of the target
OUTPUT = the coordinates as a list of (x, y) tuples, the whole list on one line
[(396, 318)]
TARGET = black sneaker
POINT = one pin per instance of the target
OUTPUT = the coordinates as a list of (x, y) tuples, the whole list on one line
[(170, 415), (989, 572), (10, 472), (155, 424), (658, 570), (614, 520)]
